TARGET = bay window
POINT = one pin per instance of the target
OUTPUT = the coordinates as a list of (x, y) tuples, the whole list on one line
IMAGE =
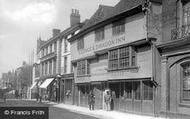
[(122, 58)]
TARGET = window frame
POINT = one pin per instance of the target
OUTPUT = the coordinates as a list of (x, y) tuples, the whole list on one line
[(100, 34), (118, 27), (65, 45), (83, 68), (65, 64), (119, 58), (182, 99), (80, 43)]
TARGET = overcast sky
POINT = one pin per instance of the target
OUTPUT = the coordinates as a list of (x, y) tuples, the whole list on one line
[(23, 21)]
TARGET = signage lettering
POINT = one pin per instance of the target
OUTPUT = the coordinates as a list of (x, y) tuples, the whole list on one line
[(105, 44)]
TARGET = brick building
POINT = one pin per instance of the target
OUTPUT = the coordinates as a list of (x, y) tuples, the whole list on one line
[(56, 71)]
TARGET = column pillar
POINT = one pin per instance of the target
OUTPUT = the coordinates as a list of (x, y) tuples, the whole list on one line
[(164, 93)]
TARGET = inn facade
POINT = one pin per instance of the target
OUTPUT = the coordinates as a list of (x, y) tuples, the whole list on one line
[(116, 50)]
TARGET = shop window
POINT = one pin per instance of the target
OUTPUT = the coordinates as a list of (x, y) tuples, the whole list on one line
[(118, 27), (80, 43), (99, 34), (137, 90), (186, 81), (128, 90), (122, 58), (148, 90), (83, 68)]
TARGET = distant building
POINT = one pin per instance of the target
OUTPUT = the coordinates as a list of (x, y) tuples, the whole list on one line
[(23, 79), (34, 89), (55, 65)]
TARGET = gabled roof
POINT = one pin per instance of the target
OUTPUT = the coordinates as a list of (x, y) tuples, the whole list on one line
[(101, 14), (104, 13)]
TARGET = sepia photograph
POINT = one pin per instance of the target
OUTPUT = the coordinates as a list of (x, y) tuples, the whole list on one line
[(94, 59)]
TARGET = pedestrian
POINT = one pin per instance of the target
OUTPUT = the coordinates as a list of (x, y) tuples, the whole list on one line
[(91, 100), (107, 100), (37, 96)]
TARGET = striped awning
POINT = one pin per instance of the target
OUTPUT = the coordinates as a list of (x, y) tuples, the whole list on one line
[(46, 83)]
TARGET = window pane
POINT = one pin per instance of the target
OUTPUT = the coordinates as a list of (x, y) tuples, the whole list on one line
[(136, 88), (186, 14), (128, 90), (99, 34), (148, 90), (118, 27), (80, 43), (124, 52), (186, 81)]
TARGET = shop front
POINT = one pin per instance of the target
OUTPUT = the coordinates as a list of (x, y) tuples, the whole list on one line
[(67, 88), (134, 96), (82, 91), (49, 90)]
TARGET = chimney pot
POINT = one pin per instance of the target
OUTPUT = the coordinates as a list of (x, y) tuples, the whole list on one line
[(74, 17)]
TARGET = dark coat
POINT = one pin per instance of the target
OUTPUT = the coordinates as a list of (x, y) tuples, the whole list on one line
[(91, 99)]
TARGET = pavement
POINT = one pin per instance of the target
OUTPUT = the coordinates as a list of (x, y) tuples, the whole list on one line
[(102, 114)]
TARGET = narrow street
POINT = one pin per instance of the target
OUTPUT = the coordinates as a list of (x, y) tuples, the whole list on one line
[(54, 112)]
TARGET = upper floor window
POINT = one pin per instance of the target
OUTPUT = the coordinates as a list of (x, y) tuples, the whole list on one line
[(186, 81), (55, 46), (51, 48), (65, 45), (83, 68), (42, 52), (46, 50), (118, 27), (186, 13), (80, 43), (122, 58), (99, 34), (65, 64)]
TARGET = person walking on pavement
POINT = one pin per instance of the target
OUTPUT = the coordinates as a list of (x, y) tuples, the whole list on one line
[(107, 100), (91, 100)]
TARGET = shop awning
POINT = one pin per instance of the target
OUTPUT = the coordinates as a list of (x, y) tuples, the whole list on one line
[(33, 85), (46, 83)]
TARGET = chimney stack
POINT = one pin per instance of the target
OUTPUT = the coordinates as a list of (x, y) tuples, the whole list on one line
[(56, 32), (74, 17)]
